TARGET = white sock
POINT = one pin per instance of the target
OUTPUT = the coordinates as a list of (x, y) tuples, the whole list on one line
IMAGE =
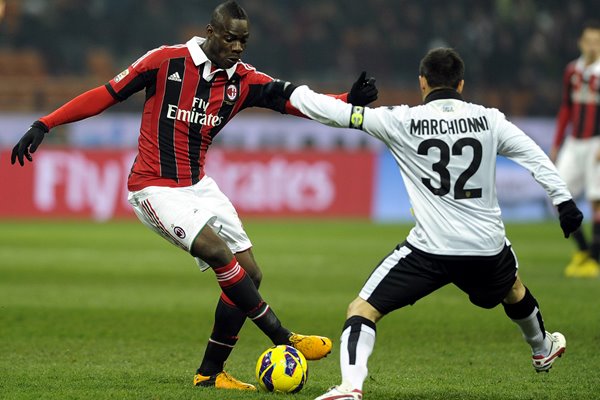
[(357, 342), (533, 333)]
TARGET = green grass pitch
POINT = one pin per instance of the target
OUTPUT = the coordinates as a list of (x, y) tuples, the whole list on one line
[(112, 311)]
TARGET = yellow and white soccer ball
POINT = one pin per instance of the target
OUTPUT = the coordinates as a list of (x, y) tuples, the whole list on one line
[(281, 369)]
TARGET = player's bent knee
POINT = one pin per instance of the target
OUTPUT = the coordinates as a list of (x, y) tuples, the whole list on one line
[(209, 247), (362, 308), (516, 292), (256, 276), (215, 256), (247, 261), (251, 269), (485, 303)]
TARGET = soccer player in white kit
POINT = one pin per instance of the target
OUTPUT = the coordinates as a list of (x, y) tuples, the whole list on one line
[(446, 151)]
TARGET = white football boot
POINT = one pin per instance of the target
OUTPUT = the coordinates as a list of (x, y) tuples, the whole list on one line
[(558, 344), (341, 393)]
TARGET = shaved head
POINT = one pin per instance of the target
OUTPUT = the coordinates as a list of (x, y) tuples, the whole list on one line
[(227, 10), (226, 35)]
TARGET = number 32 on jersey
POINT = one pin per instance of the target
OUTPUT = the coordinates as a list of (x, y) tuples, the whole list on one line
[(441, 167)]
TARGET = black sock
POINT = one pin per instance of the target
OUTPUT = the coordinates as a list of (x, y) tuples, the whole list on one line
[(523, 308), (267, 321), (595, 247), (228, 323), (240, 289), (579, 238), (526, 314)]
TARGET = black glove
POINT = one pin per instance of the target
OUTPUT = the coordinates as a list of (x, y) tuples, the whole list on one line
[(29, 142), (363, 91), (570, 217), (277, 88)]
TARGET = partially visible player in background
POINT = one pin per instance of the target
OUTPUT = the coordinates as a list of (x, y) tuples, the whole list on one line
[(192, 90), (446, 151), (577, 156)]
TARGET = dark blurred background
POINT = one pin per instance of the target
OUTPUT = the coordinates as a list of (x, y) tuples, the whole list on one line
[(515, 50)]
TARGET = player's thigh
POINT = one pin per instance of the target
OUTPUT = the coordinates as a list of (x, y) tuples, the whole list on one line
[(210, 249), (227, 222), (172, 213), (401, 278), (572, 164), (487, 280)]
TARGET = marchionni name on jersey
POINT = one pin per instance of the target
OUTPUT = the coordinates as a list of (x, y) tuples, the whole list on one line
[(424, 127)]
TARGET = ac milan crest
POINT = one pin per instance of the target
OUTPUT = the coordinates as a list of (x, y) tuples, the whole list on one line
[(232, 92), (179, 232)]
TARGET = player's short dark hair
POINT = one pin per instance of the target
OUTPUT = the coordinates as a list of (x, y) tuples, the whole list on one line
[(442, 67), (229, 9), (591, 24)]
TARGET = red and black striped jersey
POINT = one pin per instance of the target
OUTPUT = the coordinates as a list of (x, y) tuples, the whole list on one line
[(580, 104), (188, 101)]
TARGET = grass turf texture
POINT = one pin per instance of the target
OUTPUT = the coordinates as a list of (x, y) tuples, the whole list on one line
[(111, 311)]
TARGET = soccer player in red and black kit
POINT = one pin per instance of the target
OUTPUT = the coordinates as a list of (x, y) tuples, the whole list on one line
[(192, 91), (578, 160)]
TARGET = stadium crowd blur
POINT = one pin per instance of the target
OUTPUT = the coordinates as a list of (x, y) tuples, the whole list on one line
[(515, 50)]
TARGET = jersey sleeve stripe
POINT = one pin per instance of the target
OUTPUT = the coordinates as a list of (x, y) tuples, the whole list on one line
[(113, 93)]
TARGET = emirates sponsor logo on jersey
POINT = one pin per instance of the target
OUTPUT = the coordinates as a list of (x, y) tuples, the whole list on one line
[(196, 115)]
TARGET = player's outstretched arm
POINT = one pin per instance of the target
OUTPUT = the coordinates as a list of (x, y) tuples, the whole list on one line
[(377, 122), (363, 91), (83, 106)]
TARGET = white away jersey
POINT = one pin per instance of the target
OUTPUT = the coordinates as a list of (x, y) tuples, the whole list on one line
[(446, 150)]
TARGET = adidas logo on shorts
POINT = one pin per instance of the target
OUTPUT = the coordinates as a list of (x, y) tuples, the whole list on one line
[(174, 77)]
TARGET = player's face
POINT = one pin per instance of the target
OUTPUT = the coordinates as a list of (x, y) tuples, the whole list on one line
[(589, 44), (225, 44)]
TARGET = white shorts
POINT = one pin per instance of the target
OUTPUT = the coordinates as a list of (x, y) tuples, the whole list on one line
[(578, 163), (179, 214)]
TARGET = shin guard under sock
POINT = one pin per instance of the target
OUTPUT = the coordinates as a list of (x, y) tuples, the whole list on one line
[(527, 316), (238, 287), (357, 342), (228, 322)]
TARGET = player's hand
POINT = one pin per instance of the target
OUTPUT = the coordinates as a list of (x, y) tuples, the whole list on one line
[(363, 91), (29, 143), (278, 88), (570, 217)]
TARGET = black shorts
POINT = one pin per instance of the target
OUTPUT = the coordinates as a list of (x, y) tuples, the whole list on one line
[(408, 274)]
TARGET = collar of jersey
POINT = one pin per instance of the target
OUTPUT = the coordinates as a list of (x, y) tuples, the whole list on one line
[(443, 93), (592, 68), (199, 58)]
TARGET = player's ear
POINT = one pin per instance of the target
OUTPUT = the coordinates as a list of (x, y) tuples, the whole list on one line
[(209, 30), (460, 86), (422, 83)]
